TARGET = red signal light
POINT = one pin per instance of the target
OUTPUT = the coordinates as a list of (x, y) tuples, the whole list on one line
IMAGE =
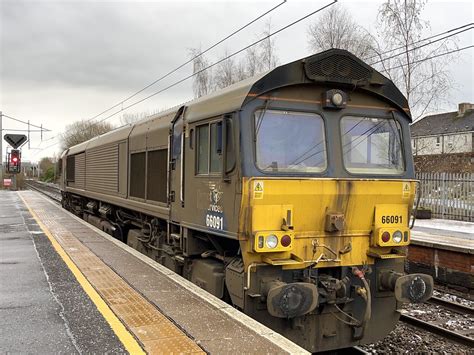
[(14, 161), (385, 237)]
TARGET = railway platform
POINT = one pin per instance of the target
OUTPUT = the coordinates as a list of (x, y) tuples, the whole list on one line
[(67, 287), (445, 250)]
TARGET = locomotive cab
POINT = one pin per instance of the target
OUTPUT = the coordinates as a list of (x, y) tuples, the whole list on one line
[(328, 190)]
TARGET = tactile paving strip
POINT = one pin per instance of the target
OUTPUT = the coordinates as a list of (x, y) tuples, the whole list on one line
[(156, 332)]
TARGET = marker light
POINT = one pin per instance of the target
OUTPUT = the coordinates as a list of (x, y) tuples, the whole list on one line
[(285, 240), (271, 241), (385, 237), (397, 236)]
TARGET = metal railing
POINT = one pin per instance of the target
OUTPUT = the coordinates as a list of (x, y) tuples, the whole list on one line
[(448, 195)]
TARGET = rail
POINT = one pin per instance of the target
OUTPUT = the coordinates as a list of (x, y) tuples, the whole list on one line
[(452, 306), (435, 329), (49, 190)]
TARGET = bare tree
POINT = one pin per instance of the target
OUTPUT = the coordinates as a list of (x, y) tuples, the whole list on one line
[(257, 59), (81, 131), (225, 73), (128, 118), (335, 28), (424, 82), (202, 81), (241, 72), (252, 62), (268, 57)]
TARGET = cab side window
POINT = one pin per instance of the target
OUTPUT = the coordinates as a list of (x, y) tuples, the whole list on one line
[(209, 148)]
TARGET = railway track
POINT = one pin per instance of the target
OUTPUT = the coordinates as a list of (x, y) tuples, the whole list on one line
[(48, 190), (452, 306), (439, 330)]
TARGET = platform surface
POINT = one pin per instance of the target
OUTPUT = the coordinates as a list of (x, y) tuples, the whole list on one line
[(444, 234), (160, 310), (43, 308)]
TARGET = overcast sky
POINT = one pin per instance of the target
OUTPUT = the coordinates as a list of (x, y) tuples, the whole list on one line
[(61, 61)]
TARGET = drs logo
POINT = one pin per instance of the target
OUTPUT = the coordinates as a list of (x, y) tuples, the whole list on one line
[(214, 221)]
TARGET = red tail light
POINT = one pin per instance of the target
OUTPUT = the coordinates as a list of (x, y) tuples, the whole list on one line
[(285, 240)]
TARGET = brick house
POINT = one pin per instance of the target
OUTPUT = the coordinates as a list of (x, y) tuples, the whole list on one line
[(444, 142)]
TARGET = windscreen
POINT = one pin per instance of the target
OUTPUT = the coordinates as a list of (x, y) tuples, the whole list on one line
[(289, 141), (371, 145)]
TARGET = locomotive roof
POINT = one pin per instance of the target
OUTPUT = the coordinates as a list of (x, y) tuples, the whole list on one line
[(334, 67)]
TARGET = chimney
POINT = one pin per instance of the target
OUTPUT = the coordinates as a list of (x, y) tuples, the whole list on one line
[(464, 107)]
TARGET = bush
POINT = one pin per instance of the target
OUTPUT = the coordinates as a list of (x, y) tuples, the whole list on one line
[(48, 176)]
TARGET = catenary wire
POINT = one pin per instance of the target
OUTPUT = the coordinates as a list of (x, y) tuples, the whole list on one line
[(235, 53), (16, 119), (208, 67), (432, 57), (21, 130), (190, 60), (241, 50), (421, 46), (421, 40), (400, 66), (219, 61)]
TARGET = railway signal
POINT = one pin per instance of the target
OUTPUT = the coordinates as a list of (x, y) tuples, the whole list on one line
[(14, 161)]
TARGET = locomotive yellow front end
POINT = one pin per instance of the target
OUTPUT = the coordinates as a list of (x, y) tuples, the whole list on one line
[(336, 250), (325, 208)]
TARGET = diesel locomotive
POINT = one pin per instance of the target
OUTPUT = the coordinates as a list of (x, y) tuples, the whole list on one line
[(288, 195)]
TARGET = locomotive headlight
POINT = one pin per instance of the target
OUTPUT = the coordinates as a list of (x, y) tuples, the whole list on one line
[(334, 99), (271, 241), (337, 99), (397, 236)]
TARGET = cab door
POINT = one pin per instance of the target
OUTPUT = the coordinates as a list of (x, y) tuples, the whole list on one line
[(176, 167)]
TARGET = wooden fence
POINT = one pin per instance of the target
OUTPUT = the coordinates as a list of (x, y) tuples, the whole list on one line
[(448, 195)]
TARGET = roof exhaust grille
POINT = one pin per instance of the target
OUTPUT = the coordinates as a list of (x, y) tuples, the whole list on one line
[(336, 67)]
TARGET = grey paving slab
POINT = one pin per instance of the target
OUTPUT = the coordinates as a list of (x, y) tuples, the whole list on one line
[(43, 309), (444, 232)]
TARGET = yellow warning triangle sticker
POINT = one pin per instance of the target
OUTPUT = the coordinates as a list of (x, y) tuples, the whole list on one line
[(258, 187)]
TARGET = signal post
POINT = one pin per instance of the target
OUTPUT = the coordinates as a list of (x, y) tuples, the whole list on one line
[(14, 157)]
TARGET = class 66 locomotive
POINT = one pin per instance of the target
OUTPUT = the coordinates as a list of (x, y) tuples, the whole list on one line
[(288, 195)]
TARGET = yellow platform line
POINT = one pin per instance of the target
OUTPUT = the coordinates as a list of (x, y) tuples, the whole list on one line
[(127, 339)]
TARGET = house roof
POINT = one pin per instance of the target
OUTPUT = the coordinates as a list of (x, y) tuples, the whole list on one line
[(443, 123)]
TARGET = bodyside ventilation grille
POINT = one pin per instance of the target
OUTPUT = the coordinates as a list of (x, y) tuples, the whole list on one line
[(336, 67)]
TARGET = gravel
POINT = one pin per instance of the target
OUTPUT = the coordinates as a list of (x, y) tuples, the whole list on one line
[(405, 339)]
